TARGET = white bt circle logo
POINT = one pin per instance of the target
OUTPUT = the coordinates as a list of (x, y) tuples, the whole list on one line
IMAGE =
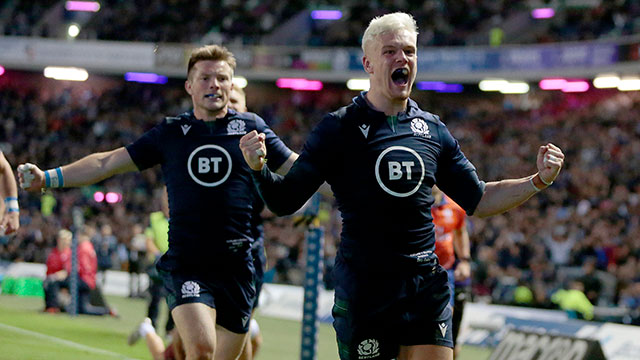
[(399, 171), (209, 165)]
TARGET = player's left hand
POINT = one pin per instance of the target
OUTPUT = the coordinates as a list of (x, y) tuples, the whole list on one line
[(10, 223), (462, 271), (254, 149), (549, 162)]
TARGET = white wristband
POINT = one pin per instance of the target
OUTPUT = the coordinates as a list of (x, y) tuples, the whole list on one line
[(12, 204), (533, 184), (53, 178)]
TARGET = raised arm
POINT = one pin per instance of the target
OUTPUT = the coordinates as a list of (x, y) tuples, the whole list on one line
[(86, 171), (500, 196), (9, 218), (282, 194), (284, 168)]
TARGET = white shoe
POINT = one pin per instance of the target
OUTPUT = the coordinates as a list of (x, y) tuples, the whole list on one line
[(136, 334)]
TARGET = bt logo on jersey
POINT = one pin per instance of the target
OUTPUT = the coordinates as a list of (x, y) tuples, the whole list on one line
[(399, 171), (204, 164), (209, 165), (395, 169)]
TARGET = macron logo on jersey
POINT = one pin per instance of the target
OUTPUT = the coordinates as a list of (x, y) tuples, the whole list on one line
[(364, 128), (185, 128), (443, 328)]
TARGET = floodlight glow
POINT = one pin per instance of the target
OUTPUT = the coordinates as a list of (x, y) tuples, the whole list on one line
[(575, 86), (145, 78), (326, 14), (98, 196), (299, 84), (113, 197), (629, 84), (73, 30), (430, 85), (89, 6), (492, 84), (439, 86), (1, 70), (240, 82), (66, 73), (358, 84), (451, 88), (552, 84), (542, 13), (515, 88), (606, 81)]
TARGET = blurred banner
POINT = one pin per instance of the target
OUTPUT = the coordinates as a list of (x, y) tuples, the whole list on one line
[(527, 345), (525, 62)]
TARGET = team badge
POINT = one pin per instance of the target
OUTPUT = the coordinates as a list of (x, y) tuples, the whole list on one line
[(420, 128), (190, 289), (368, 349), (236, 127)]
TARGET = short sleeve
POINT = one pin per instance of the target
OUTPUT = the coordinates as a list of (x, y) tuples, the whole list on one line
[(146, 151), (456, 176)]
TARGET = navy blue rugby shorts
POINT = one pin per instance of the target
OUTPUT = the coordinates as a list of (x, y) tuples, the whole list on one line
[(418, 313), (259, 263), (232, 293)]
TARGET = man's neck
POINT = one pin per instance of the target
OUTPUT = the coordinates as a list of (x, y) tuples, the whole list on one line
[(389, 107), (209, 115)]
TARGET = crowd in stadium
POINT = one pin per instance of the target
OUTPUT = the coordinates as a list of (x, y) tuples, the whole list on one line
[(441, 22), (585, 227)]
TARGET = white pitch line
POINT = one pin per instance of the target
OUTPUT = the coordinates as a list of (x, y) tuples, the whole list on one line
[(63, 341)]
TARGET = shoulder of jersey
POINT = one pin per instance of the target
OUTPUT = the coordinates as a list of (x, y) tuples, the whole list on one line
[(344, 113), (251, 120), (429, 117), (245, 116), (180, 119)]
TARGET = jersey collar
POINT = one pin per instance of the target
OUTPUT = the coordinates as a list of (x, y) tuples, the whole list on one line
[(361, 102)]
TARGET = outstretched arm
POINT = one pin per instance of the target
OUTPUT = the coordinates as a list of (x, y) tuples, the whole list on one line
[(10, 217), (86, 171), (500, 196)]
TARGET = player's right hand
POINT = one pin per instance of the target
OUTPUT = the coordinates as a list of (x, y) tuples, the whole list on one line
[(31, 178), (254, 149)]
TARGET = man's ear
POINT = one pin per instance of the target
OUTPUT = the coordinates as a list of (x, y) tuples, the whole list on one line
[(366, 64), (187, 86)]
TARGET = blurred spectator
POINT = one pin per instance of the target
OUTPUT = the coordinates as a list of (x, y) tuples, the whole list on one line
[(574, 301), (57, 261), (591, 282), (105, 244), (559, 245), (137, 260)]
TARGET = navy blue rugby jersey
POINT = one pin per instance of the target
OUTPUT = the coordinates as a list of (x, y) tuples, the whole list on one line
[(211, 194), (381, 171)]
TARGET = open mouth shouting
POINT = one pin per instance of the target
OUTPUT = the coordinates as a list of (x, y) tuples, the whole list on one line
[(213, 96), (400, 76)]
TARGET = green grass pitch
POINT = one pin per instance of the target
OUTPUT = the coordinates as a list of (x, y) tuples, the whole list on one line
[(28, 333)]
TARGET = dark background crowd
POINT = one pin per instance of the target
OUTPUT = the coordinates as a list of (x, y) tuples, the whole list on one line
[(584, 229), (441, 22)]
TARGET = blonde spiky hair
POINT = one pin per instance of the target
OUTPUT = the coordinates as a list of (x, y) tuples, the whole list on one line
[(388, 23)]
